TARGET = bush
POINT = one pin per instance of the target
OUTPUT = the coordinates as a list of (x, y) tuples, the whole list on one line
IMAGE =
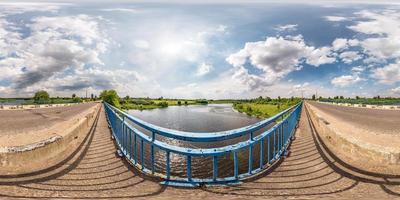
[(77, 100), (202, 101), (41, 97), (111, 97), (163, 104)]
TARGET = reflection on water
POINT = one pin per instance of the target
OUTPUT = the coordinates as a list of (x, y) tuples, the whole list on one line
[(197, 118)]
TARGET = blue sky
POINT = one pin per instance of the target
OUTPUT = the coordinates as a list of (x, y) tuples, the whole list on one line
[(200, 50)]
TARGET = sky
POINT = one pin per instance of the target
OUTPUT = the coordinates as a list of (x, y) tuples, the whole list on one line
[(201, 49)]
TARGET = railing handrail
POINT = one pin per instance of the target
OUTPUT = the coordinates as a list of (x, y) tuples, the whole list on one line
[(203, 136)]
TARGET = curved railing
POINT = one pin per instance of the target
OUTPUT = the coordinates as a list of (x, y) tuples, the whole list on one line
[(271, 136)]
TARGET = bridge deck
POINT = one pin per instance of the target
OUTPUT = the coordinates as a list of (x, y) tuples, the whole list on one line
[(95, 172)]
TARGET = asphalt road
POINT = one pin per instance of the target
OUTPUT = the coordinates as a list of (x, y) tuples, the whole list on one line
[(28, 121), (375, 120)]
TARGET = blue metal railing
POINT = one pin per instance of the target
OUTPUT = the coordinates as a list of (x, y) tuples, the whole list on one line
[(272, 137)]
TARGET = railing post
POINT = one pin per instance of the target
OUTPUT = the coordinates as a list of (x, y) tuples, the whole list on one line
[(142, 153), (168, 165), (152, 152), (235, 164), (261, 153), (274, 144), (135, 148), (189, 168), (250, 159), (268, 149), (215, 168), (130, 143)]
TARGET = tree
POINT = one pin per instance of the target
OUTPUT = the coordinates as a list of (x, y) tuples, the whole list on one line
[(77, 100), (92, 96), (179, 103), (313, 97), (41, 97), (111, 97), (73, 95)]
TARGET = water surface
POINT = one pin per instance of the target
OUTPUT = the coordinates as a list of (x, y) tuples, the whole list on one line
[(196, 118)]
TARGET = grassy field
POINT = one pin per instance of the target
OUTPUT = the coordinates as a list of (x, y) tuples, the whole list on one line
[(264, 107), (260, 110)]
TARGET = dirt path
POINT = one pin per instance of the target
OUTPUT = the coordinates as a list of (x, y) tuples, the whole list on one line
[(94, 172)]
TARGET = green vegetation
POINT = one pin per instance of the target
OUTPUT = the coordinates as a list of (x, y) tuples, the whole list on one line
[(377, 100), (111, 97), (41, 97), (128, 103), (264, 107)]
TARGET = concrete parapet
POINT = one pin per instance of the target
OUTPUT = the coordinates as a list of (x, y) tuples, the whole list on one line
[(34, 156), (355, 145)]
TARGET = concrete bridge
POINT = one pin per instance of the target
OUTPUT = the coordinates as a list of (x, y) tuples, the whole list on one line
[(315, 167)]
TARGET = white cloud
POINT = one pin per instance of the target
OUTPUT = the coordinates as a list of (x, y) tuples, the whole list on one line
[(127, 10), (54, 45), (142, 44), (357, 69), (350, 56), (275, 57), (396, 91), (300, 87), (339, 44), (287, 28), (345, 80), (204, 69), (320, 56), (388, 74), (10, 8), (383, 29), (335, 18)]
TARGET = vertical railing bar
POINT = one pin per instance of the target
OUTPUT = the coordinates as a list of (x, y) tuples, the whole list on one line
[(274, 144), (152, 158), (167, 168), (189, 168), (250, 158), (135, 148), (152, 151), (268, 149), (142, 152), (235, 164), (130, 144), (261, 153), (215, 168)]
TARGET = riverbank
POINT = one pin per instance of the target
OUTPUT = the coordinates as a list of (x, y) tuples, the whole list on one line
[(263, 110), (148, 104)]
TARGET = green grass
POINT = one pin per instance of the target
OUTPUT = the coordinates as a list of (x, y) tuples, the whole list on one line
[(146, 104), (260, 110)]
